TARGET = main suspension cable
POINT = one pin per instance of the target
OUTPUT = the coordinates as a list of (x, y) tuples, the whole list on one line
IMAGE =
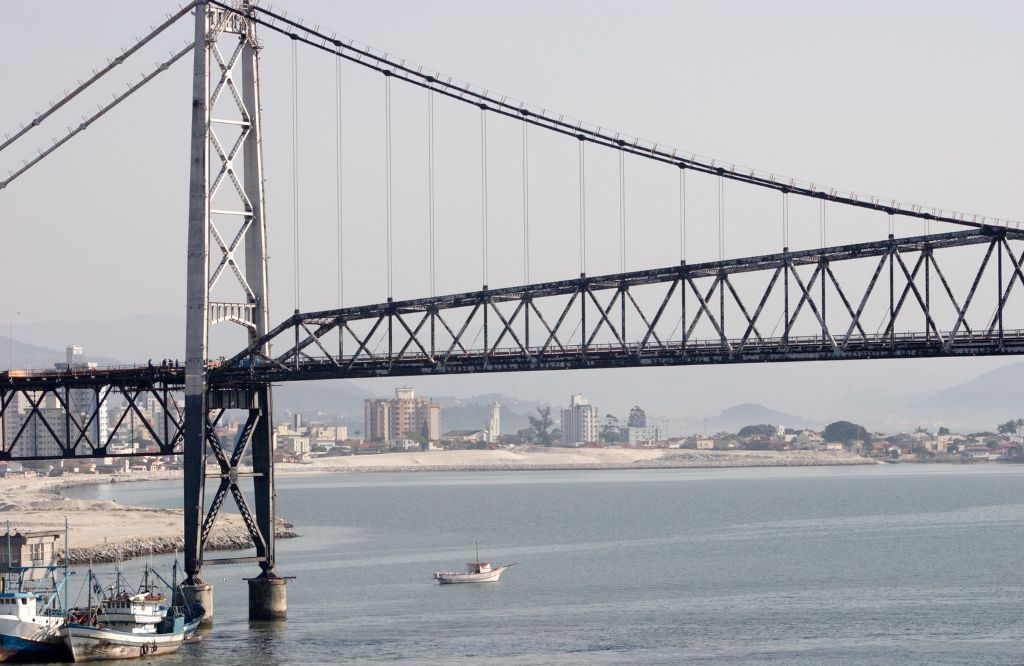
[(506, 106), (97, 75), (86, 122), (295, 170)]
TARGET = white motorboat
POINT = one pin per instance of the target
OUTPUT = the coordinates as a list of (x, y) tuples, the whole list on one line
[(476, 572)]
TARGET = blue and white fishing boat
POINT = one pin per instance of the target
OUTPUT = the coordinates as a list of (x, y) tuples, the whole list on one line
[(31, 612), (128, 624), (30, 623)]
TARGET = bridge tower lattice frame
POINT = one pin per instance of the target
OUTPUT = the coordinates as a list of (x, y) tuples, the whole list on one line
[(226, 134)]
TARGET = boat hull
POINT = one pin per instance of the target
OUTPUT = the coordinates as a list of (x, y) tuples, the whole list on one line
[(492, 576), (94, 644), (28, 641)]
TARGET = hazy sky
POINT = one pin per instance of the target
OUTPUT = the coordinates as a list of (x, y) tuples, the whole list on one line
[(913, 100)]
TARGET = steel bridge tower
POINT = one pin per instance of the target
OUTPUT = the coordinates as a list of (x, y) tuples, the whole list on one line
[(226, 195)]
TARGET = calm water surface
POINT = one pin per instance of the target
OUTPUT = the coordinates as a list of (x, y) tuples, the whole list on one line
[(868, 565)]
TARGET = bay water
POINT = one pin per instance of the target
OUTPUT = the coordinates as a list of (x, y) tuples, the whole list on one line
[(884, 564)]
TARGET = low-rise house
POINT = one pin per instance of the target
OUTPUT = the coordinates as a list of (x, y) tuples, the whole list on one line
[(28, 549)]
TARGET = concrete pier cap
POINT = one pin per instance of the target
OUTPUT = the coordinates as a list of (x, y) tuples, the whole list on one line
[(268, 598), (202, 594)]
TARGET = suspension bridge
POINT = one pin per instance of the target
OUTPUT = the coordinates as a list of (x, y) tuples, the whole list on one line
[(945, 290)]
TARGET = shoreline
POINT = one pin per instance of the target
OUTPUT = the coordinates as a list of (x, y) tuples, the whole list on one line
[(105, 531), (534, 458)]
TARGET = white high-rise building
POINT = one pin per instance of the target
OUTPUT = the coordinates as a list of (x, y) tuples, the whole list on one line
[(579, 422), (84, 403), (494, 423)]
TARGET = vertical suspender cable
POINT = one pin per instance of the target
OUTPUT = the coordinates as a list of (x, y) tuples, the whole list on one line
[(682, 215), (785, 220), (721, 218), (622, 212), (821, 218), (483, 189), (526, 203), (338, 184), (583, 208), (892, 226), (387, 167), (295, 167), (430, 185)]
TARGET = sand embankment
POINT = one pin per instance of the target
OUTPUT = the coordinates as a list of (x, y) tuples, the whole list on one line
[(103, 530), (554, 458)]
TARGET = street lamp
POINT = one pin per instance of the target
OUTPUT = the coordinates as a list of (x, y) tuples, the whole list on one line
[(10, 343)]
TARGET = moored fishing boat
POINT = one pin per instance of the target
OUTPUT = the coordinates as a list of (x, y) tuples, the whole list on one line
[(30, 627), (476, 572), (31, 613), (128, 625)]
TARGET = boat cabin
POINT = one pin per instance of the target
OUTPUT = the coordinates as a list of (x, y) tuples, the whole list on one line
[(21, 605), (478, 567)]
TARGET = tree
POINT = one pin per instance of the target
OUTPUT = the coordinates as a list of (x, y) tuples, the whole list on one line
[(943, 430), (611, 431), (760, 429), (845, 432), (1011, 427), (541, 426), (637, 418)]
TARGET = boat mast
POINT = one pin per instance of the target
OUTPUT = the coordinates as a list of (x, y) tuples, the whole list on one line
[(67, 548), (476, 542), (9, 562)]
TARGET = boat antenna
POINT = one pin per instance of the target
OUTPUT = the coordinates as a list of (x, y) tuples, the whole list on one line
[(477, 543)]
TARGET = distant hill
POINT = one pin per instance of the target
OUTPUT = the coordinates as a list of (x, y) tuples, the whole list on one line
[(330, 396), (734, 418), (135, 339), (979, 404), (38, 357), (474, 412)]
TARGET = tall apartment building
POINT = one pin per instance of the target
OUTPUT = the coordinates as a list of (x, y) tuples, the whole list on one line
[(400, 417), (494, 423), (579, 422)]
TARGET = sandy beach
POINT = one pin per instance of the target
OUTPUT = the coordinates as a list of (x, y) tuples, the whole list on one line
[(103, 530), (540, 458)]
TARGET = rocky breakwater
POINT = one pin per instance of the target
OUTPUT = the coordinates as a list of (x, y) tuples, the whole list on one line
[(105, 530), (223, 537)]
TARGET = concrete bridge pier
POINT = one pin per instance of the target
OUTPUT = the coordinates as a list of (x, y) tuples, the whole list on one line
[(202, 594), (268, 598)]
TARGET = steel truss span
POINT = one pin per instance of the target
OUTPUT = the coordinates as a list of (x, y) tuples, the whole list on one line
[(820, 304), (791, 306)]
